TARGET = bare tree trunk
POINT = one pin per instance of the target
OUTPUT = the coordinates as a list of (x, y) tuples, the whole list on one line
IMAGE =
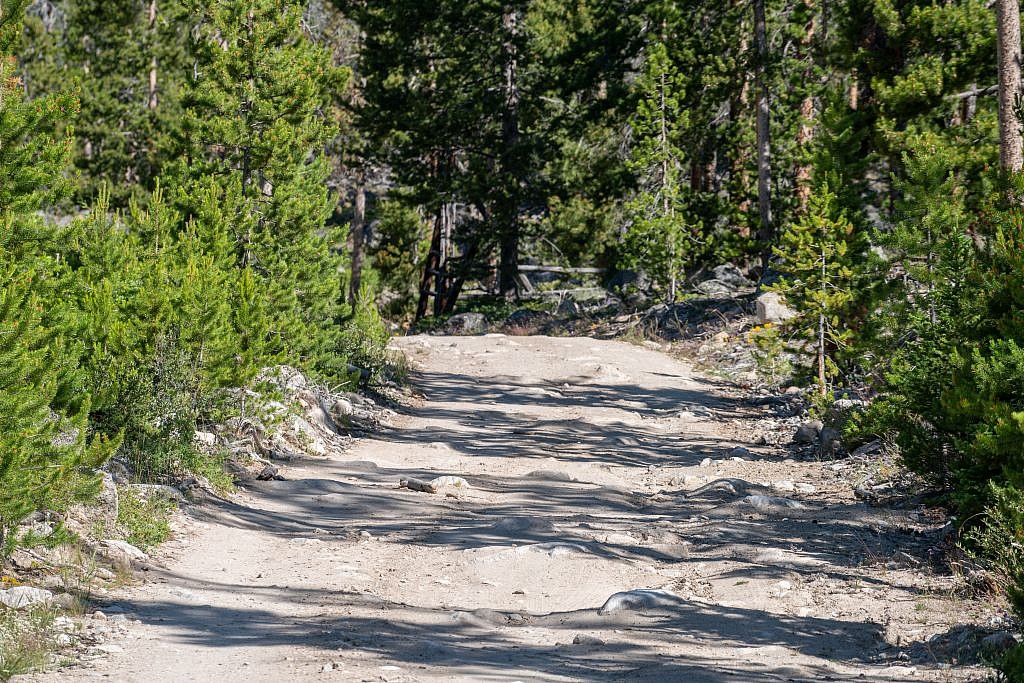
[(508, 267), (764, 199), (1008, 56), (152, 103), (358, 230), (805, 133)]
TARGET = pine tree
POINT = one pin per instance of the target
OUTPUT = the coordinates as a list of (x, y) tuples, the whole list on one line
[(256, 129), (659, 238), (131, 58), (816, 259), (44, 457)]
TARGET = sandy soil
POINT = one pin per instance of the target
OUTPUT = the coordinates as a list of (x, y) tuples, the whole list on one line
[(594, 468)]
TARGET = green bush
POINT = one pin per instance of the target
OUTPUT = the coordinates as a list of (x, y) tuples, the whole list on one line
[(143, 522)]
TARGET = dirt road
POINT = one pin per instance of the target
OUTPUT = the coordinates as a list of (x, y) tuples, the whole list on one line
[(593, 468)]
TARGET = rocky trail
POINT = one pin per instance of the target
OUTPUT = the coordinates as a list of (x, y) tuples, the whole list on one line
[(593, 521)]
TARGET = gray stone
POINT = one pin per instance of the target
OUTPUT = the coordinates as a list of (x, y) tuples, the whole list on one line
[(998, 642), (205, 438), (715, 287), (830, 440), (466, 323), (731, 275), (808, 432), (23, 597), (124, 553), (770, 307), (640, 600)]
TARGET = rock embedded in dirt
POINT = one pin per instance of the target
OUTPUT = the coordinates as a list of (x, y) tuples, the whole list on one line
[(24, 597), (586, 639), (448, 481), (123, 553), (808, 432), (998, 643), (205, 438), (770, 307), (270, 473), (740, 452), (640, 600), (772, 503)]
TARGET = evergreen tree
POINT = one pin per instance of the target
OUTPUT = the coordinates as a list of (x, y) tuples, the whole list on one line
[(131, 58), (45, 461), (659, 237), (256, 128), (817, 258)]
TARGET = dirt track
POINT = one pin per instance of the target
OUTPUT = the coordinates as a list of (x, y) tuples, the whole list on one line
[(584, 461)]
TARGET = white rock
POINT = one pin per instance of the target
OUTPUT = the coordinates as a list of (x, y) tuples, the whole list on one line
[(449, 481), (124, 551), (706, 462), (23, 597), (740, 454), (205, 438), (639, 600), (772, 308), (772, 503)]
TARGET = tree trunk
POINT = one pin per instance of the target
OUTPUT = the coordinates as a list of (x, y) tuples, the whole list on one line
[(508, 267), (152, 103), (358, 230), (805, 132), (764, 201), (1008, 56)]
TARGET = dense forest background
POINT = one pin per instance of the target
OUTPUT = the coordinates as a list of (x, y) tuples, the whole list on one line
[(192, 192)]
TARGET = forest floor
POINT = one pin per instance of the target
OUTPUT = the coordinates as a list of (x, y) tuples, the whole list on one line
[(593, 468)]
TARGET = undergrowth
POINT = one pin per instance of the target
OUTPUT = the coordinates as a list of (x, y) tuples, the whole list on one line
[(26, 640)]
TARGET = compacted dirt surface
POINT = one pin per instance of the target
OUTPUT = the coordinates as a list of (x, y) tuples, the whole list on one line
[(605, 530)]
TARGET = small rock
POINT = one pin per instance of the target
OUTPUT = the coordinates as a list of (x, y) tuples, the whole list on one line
[(23, 597), (450, 482), (640, 600), (772, 503), (706, 462), (999, 642), (466, 324), (792, 391), (586, 639), (121, 551), (771, 308), (739, 453), (205, 438), (720, 339), (808, 432), (829, 440), (270, 473)]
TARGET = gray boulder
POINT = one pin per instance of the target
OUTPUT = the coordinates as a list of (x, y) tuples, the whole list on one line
[(466, 323), (771, 308), (23, 597), (808, 432), (732, 276)]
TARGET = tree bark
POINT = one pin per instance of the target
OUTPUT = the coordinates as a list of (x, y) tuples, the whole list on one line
[(1008, 56), (805, 132), (358, 230), (152, 103), (764, 200), (508, 266)]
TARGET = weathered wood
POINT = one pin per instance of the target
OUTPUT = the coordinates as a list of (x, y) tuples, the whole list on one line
[(559, 269)]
